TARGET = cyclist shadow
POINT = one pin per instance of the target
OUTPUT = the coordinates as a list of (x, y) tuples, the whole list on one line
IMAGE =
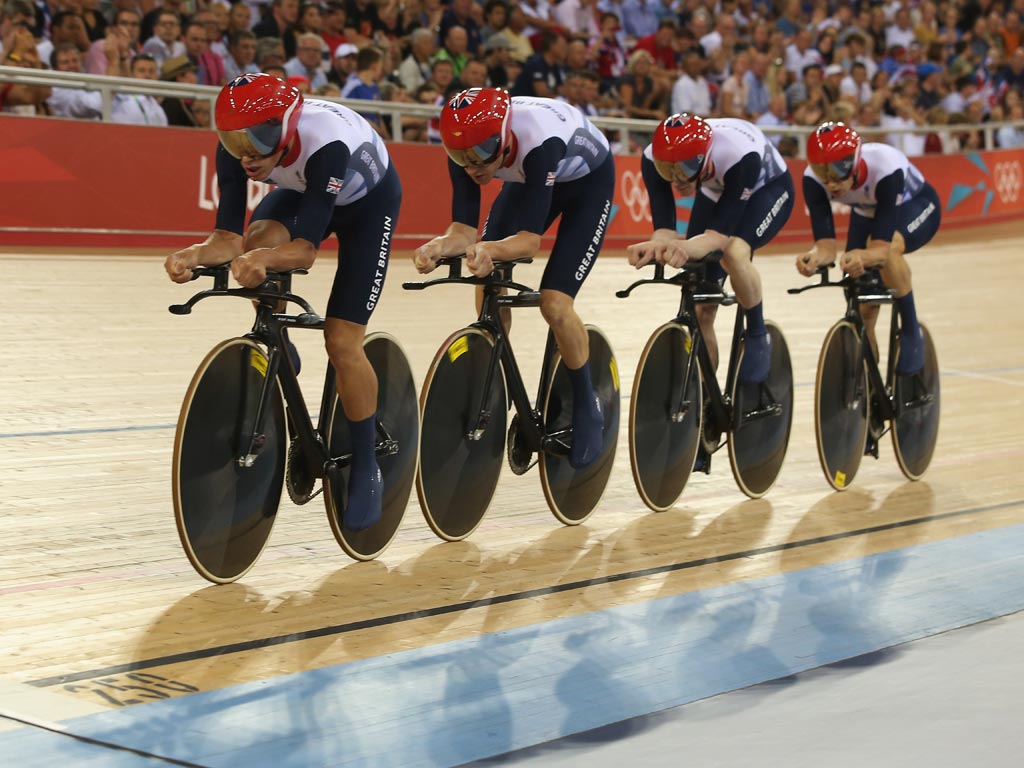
[(846, 603), (726, 609), (545, 580), (204, 642), (607, 648)]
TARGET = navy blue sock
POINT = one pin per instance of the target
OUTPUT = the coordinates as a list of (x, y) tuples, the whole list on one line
[(364, 489), (587, 419), (908, 313), (755, 320), (911, 357), (757, 352), (581, 386), (364, 440)]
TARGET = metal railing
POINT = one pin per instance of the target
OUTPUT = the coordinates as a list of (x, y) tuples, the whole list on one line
[(396, 110)]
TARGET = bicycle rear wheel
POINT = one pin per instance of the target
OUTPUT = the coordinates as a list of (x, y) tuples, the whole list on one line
[(916, 426), (572, 494), (225, 511), (841, 404), (398, 414), (664, 420), (762, 418), (458, 471)]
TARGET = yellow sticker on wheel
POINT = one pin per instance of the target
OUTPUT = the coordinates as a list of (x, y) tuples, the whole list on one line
[(614, 368), (840, 479), (458, 348), (258, 361), (688, 345)]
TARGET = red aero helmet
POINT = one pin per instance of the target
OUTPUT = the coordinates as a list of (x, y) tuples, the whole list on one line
[(257, 115), (681, 147), (833, 151), (475, 125)]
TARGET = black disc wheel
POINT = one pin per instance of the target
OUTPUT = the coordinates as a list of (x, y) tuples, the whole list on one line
[(460, 452), (226, 493), (762, 418), (397, 447), (916, 403), (842, 404), (572, 494), (664, 417)]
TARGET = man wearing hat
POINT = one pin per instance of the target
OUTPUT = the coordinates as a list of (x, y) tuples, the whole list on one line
[(343, 65), (496, 56), (930, 89), (178, 69), (834, 74)]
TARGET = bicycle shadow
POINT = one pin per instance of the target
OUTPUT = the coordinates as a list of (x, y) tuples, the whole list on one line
[(204, 642), (869, 549)]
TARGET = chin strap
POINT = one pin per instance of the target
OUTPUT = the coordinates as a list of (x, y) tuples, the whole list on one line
[(861, 174), (510, 151)]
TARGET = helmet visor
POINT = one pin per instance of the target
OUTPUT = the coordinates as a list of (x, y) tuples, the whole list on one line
[(685, 171), (258, 141), (839, 170), (484, 153)]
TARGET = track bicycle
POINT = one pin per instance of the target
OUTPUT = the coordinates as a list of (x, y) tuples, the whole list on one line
[(678, 414), (473, 382), (244, 432), (853, 406)]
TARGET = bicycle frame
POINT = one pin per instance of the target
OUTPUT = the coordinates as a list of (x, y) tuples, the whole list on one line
[(489, 320), (866, 290), (268, 328), (697, 290)]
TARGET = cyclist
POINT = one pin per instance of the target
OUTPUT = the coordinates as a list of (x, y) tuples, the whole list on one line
[(743, 195), (895, 212), (553, 162), (332, 174)]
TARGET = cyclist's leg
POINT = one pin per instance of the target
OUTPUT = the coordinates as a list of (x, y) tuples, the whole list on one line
[(501, 222), (767, 211), (269, 229), (857, 238), (700, 217), (364, 231), (585, 208), (919, 221)]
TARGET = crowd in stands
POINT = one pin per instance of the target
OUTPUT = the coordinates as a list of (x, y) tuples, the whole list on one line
[(875, 65)]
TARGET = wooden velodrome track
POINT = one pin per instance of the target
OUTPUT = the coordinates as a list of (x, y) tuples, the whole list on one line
[(100, 608)]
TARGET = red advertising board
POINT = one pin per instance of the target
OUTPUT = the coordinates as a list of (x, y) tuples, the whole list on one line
[(77, 183)]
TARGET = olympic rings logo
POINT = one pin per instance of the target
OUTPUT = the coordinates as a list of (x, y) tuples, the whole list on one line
[(1009, 179), (634, 196)]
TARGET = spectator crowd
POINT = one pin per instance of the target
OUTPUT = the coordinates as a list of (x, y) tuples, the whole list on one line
[(879, 66)]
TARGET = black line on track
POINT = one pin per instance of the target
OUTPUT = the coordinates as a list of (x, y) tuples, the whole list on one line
[(441, 610), (98, 742)]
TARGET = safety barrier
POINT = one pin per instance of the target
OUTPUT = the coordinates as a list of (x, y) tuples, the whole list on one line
[(81, 184)]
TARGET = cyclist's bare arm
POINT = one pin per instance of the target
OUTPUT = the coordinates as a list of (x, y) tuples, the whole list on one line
[(453, 242), (219, 248)]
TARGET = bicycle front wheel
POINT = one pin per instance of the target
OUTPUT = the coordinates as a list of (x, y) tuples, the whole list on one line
[(460, 453), (664, 419), (841, 405), (224, 509)]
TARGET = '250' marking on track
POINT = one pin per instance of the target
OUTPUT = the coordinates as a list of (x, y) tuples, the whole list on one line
[(131, 688)]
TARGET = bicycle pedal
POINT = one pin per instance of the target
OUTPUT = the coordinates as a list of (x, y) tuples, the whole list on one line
[(871, 447), (703, 461)]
